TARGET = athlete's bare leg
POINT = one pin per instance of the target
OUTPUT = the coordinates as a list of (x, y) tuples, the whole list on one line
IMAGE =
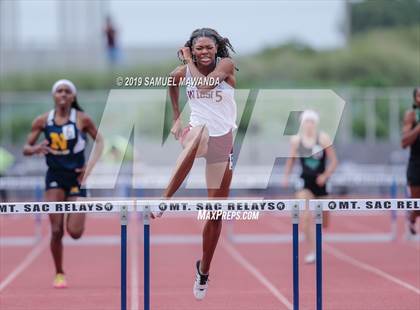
[(75, 222), (195, 145), (218, 178), (415, 193), (57, 230)]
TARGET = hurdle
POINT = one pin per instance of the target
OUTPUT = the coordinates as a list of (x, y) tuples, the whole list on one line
[(349, 205), (291, 206), (146, 207), (382, 237), (86, 206)]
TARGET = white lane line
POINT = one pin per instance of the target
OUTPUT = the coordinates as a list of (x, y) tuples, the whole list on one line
[(257, 274), (32, 255), (340, 255), (134, 259)]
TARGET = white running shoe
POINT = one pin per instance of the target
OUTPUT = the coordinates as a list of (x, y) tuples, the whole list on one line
[(310, 258), (201, 283)]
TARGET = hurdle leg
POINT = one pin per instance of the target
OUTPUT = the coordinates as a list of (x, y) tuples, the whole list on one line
[(146, 251), (38, 219), (124, 221), (318, 221), (295, 223)]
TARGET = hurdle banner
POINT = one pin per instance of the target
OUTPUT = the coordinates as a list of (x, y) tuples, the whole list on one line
[(349, 205), (154, 205), (365, 204), (237, 205), (64, 207)]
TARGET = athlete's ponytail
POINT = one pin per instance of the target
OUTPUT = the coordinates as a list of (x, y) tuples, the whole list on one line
[(75, 104), (415, 91)]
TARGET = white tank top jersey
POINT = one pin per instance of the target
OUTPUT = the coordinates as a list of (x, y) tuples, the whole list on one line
[(216, 108)]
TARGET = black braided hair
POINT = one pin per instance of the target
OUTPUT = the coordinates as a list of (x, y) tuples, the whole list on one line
[(415, 91), (223, 44), (75, 104)]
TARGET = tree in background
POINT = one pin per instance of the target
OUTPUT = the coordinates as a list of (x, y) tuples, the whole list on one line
[(370, 14)]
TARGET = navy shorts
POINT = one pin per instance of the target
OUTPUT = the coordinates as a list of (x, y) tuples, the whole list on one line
[(65, 180), (413, 173), (310, 184)]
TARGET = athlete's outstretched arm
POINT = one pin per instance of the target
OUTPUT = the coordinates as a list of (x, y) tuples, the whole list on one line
[(223, 69), (409, 134), (30, 148)]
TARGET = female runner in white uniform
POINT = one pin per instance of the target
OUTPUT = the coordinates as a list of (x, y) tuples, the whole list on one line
[(209, 132)]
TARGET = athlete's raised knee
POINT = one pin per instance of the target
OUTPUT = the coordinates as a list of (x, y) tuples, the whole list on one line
[(75, 233)]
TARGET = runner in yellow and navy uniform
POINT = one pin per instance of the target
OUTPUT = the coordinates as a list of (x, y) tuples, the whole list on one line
[(65, 128), (66, 154)]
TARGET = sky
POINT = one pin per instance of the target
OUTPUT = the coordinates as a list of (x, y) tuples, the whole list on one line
[(250, 25)]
